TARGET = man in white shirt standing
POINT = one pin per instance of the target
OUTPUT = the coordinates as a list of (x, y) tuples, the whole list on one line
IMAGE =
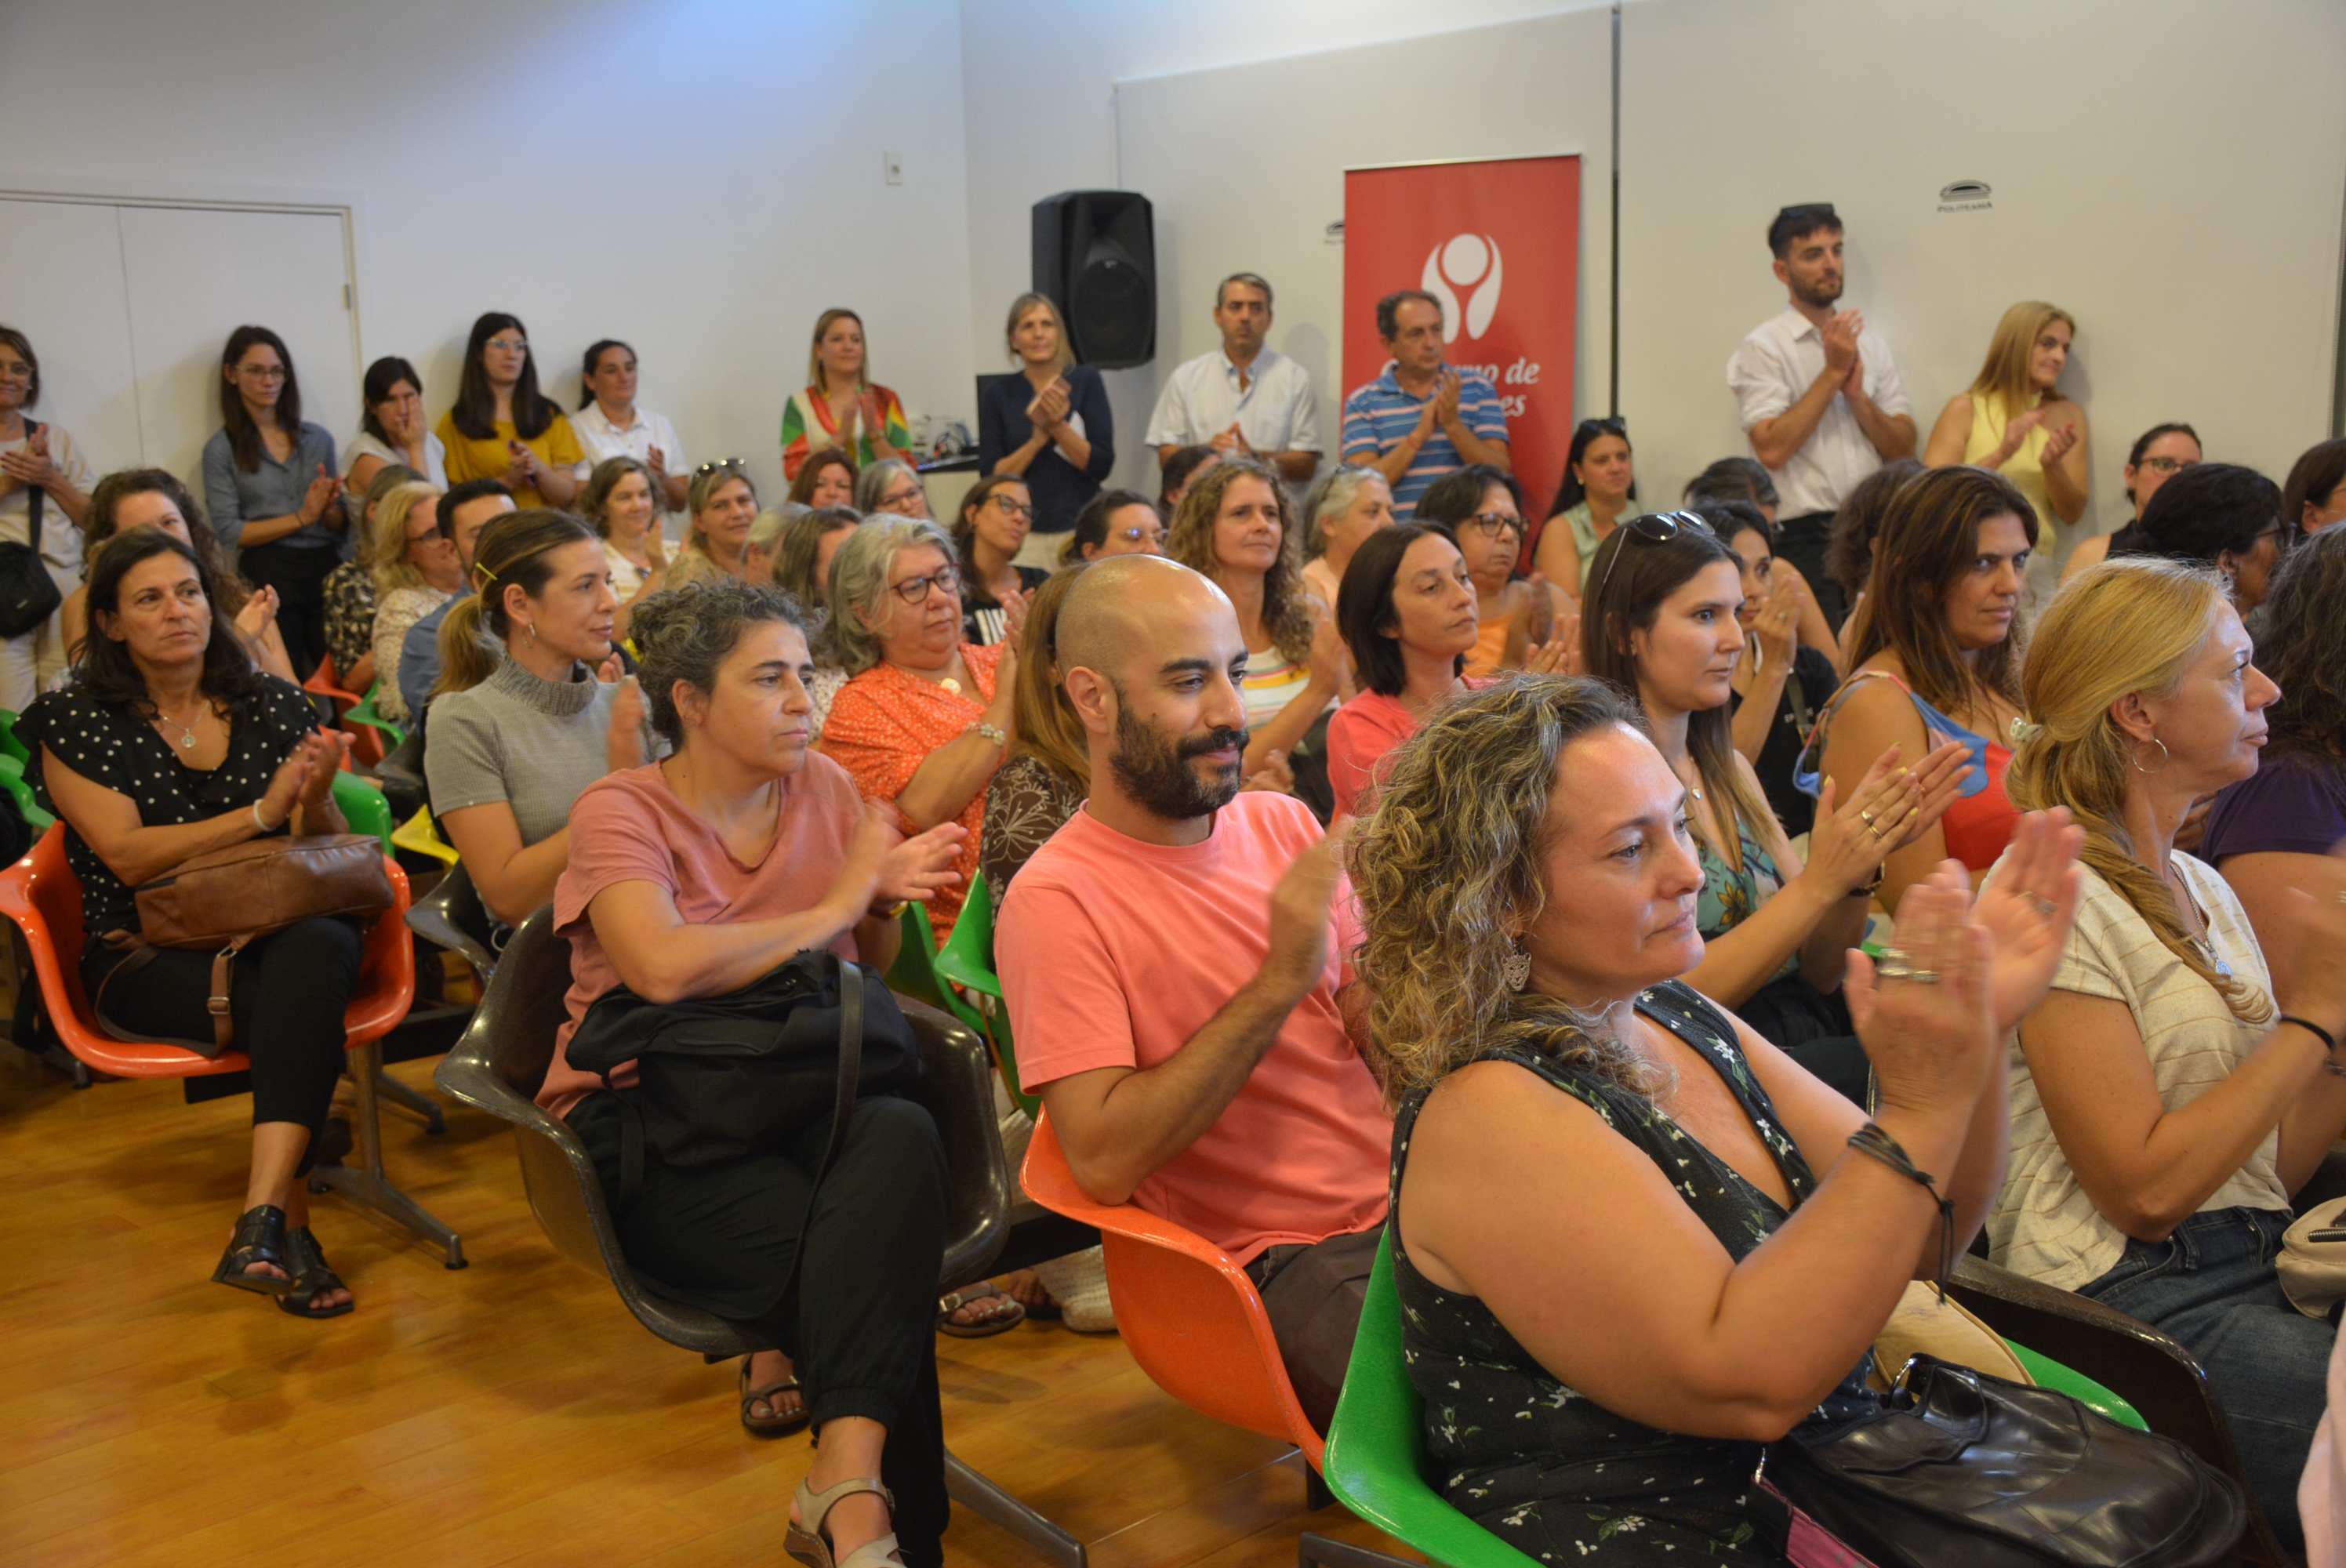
[(609, 425), (1244, 398), (1818, 393)]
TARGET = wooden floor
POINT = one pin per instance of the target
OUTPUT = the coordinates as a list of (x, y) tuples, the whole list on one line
[(512, 1412)]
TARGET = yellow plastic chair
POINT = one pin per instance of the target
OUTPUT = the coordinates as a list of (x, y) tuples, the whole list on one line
[(418, 835)]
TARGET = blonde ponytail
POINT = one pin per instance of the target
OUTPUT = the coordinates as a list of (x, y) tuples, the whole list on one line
[(513, 551)]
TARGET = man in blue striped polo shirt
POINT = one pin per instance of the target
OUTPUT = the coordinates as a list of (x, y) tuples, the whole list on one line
[(1421, 419)]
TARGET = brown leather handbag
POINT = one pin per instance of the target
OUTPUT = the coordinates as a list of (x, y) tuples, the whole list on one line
[(224, 899)]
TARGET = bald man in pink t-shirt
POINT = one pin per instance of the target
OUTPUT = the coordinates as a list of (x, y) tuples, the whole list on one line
[(1172, 965)]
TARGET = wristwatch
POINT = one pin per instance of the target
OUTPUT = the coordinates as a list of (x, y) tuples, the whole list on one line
[(1873, 887)]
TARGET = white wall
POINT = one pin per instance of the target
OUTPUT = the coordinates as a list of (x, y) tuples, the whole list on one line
[(698, 178)]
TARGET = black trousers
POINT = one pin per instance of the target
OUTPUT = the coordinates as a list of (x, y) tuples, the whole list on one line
[(298, 572), (286, 993), (1313, 1296), (1802, 542), (858, 1316)]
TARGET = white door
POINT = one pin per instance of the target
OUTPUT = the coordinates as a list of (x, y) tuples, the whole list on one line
[(62, 288)]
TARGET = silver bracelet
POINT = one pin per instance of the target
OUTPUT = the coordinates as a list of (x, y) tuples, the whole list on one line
[(256, 818)]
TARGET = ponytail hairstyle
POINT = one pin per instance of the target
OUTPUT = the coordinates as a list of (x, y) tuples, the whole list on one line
[(2126, 625), (595, 351), (516, 550), (243, 435)]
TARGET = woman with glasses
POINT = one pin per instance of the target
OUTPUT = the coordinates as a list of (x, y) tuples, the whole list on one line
[(2216, 515), (415, 572), (926, 716), (2159, 454), (1484, 509), (271, 486), (502, 427), (724, 506), (623, 505), (890, 484), (995, 517), (1599, 486), (1050, 425), (393, 430), (1661, 622), (841, 405), (1349, 503), (1936, 661), (1115, 522)]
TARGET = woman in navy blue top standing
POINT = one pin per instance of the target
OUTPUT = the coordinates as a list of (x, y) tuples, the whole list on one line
[(1051, 425)]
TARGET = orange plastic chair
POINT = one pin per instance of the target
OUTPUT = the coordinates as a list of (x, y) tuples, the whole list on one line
[(41, 894), (1191, 1317), (366, 744)]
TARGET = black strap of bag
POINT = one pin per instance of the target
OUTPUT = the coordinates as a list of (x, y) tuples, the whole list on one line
[(28, 595)]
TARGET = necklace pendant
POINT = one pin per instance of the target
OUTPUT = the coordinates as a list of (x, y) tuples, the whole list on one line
[(950, 687), (188, 741)]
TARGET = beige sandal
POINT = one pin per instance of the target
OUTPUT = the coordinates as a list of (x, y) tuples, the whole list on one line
[(809, 1544)]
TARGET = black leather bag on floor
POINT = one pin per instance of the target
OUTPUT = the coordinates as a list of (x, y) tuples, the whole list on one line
[(28, 595), (1961, 1469)]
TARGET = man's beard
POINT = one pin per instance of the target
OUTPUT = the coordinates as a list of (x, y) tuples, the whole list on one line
[(1816, 298), (1160, 775)]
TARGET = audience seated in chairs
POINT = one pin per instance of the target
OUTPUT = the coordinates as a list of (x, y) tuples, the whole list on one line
[(1171, 965), (1607, 1307), (1346, 505), (890, 484), (2158, 454), (1777, 928), (1115, 522), (1482, 508), (1046, 771), (693, 878), (724, 505), (1933, 659), (152, 498), (1784, 679), (1176, 473), (2216, 515), (350, 590), (531, 708), (622, 504), (803, 555), (2168, 1099), (462, 514), (1741, 478), (925, 716), (1856, 526), (168, 744), (987, 532), (2314, 495), (826, 479), (416, 573)]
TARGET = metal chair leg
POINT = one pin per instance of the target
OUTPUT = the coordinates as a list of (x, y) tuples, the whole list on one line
[(364, 1183), (1319, 1552), (997, 1507), (408, 1099)]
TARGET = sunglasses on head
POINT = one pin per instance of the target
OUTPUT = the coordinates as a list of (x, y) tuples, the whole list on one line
[(1809, 212), (732, 464), (1653, 528)]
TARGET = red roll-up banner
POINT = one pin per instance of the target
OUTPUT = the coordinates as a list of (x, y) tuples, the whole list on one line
[(1497, 241)]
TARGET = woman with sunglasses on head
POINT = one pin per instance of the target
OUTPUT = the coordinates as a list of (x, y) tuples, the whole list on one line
[(1661, 622), (995, 518), (2159, 454), (1482, 508), (502, 427), (724, 506), (1936, 661), (271, 486), (1599, 486)]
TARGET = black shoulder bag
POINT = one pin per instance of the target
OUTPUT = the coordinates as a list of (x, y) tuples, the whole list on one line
[(28, 595)]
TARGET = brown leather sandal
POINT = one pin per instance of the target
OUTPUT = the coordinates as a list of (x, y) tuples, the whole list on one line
[(780, 1423)]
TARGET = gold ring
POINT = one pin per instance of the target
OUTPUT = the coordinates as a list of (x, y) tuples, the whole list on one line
[(1875, 831)]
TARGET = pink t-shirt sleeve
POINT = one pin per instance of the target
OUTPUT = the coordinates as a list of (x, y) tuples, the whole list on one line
[(614, 838), (1067, 1009)]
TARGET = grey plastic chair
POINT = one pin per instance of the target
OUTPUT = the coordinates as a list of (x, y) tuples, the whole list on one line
[(452, 916), (502, 1059)]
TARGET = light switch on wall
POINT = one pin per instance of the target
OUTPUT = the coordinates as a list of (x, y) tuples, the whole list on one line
[(892, 166)]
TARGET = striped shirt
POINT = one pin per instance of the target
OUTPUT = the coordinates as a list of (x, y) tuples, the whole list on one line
[(1381, 415), (2044, 1223)]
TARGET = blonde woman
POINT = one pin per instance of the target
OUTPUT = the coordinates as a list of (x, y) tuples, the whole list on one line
[(2016, 420), (2165, 1101), (1050, 425), (841, 405), (724, 507), (416, 571)]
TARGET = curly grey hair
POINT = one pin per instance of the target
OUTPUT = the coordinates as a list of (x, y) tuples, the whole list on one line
[(859, 583), (684, 634)]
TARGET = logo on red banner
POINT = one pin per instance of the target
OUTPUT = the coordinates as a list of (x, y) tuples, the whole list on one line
[(1498, 244)]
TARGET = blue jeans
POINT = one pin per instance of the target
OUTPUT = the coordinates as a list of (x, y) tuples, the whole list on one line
[(2210, 1285)]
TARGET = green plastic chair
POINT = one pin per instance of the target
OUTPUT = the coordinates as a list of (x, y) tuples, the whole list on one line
[(1372, 1463), (364, 713), (914, 973), (967, 962), (363, 807), (9, 744), (12, 779)]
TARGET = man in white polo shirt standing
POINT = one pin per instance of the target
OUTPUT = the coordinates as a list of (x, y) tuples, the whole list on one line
[(1243, 397), (1819, 394)]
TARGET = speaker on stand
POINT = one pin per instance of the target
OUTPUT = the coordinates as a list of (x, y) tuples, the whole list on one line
[(1096, 258)]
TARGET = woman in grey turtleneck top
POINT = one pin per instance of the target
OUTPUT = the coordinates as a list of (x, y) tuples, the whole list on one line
[(529, 710)]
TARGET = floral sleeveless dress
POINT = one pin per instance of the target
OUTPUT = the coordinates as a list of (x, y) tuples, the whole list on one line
[(1543, 1466)]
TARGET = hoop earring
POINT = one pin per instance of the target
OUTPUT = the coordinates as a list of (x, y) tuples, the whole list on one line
[(2135, 756), (531, 629), (1517, 969)]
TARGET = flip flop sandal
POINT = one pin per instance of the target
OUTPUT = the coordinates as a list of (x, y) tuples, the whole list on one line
[(260, 1238), (313, 1277), (782, 1422), (998, 1322)]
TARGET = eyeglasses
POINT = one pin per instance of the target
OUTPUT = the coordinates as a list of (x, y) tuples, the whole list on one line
[(1654, 528), (913, 590), (2169, 464), (902, 496), (1143, 534), (1009, 508), (262, 372), (1494, 523), (510, 345), (729, 465), (429, 536)]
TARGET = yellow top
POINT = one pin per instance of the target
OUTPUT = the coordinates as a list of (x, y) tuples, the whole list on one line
[(556, 446), (2026, 469)]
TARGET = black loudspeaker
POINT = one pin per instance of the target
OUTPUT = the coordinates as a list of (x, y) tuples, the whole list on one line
[(1095, 257)]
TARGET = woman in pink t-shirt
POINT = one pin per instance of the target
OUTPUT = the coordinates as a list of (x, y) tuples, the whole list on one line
[(695, 877)]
